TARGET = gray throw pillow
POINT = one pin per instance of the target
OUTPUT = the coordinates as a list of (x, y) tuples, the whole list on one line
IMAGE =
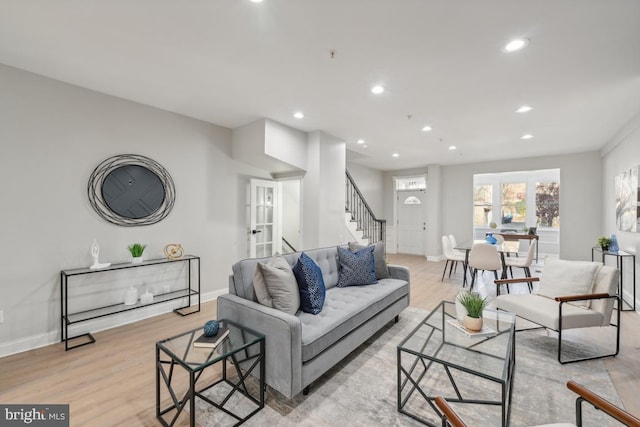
[(380, 263), (280, 285)]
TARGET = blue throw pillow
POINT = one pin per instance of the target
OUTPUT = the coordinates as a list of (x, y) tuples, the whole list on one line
[(310, 284), (356, 268)]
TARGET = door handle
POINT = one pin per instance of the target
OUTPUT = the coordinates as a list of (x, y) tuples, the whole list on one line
[(256, 231)]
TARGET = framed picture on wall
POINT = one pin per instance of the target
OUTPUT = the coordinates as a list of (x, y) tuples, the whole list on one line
[(628, 200)]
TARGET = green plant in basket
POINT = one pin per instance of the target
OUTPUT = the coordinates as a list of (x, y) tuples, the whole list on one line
[(136, 249), (473, 303)]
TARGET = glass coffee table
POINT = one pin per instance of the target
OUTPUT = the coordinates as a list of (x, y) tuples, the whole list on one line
[(438, 358), (185, 372)]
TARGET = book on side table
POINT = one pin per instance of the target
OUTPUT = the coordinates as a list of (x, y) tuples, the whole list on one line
[(212, 341), (484, 332)]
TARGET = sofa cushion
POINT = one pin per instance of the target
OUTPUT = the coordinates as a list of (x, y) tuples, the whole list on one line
[(310, 284), (382, 271), (281, 284), (259, 284), (563, 278), (356, 268), (345, 309)]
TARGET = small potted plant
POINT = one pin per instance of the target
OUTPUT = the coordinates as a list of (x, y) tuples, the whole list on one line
[(604, 242), (474, 304), (136, 250)]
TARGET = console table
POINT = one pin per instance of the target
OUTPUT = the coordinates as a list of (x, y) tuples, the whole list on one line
[(69, 316), (620, 256)]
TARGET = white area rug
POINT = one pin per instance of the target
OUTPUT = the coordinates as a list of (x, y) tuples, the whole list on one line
[(362, 390)]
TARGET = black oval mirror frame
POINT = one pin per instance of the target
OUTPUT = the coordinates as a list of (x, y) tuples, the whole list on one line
[(130, 190)]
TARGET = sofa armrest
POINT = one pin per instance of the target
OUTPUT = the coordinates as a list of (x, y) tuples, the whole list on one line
[(283, 339), (400, 272)]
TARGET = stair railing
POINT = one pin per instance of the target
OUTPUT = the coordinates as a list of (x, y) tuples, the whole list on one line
[(372, 228)]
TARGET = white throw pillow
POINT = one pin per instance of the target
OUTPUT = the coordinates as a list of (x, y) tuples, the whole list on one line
[(564, 278), (276, 286)]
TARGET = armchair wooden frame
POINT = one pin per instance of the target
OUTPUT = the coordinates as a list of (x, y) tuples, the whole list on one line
[(562, 300), (452, 419)]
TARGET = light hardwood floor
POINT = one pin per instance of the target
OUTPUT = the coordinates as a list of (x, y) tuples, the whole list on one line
[(112, 382)]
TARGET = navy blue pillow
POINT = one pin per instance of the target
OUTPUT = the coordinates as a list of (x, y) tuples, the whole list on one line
[(310, 284), (356, 268)]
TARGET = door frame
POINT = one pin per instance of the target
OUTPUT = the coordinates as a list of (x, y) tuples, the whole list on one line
[(395, 207)]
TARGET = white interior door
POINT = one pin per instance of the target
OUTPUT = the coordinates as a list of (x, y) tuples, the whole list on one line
[(264, 234), (411, 221)]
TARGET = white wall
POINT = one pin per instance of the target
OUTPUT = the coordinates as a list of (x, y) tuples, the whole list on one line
[(621, 154), (323, 192), (52, 136)]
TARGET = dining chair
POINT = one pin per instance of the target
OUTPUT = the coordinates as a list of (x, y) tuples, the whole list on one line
[(454, 244), (450, 256), (484, 256), (524, 263)]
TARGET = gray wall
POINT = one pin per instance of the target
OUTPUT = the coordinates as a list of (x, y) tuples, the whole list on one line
[(52, 136), (580, 198)]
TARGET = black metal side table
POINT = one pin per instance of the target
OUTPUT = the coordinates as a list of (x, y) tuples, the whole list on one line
[(237, 391), (620, 257)]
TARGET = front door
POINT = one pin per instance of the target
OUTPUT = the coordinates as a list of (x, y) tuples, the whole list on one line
[(263, 223), (411, 221)]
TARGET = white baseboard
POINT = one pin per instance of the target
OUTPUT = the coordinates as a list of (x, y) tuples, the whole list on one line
[(101, 324)]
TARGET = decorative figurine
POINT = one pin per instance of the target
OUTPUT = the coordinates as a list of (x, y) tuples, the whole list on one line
[(173, 251), (95, 252), (131, 297)]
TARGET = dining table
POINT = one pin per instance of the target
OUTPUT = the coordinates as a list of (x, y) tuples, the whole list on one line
[(508, 246)]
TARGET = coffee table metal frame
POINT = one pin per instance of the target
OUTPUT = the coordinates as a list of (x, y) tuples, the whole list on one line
[(417, 362), (244, 347)]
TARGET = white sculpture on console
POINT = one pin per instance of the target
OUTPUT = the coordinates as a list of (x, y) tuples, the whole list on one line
[(95, 252)]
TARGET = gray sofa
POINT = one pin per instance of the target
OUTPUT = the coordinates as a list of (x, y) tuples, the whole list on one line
[(301, 347)]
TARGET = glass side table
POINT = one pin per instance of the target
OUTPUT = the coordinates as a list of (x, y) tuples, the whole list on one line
[(185, 373), (620, 257)]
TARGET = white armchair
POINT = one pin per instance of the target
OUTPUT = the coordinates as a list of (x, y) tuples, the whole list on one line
[(572, 294)]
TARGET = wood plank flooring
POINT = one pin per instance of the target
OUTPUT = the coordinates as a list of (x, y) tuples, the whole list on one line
[(112, 382)]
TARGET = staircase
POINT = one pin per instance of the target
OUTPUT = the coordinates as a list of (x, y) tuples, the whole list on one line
[(359, 217)]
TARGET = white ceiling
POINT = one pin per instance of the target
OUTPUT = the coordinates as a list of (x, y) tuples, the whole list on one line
[(231, 62)]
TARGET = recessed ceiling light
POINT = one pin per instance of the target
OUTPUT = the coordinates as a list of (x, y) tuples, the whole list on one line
[(298, 115), (426, 128), (256, 1), (524, 109), (526, 136), (365, 146), (377, 89), (516, 44), (452, 147), (396, 155), (360, 141)]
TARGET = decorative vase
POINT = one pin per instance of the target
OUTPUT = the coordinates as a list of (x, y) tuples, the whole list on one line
[(211, 328), (461, 312), (131, 297), (473, 323), (491, 239), (136, 260), (146, 298), (613, 244)]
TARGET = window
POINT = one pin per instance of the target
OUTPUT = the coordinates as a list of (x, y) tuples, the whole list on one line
[(482, 204), (514, 203), (516, 200), (412, 200), (417, 183), (548, 204)]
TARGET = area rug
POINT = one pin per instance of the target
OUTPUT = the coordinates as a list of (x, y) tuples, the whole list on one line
[(362, 391)]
